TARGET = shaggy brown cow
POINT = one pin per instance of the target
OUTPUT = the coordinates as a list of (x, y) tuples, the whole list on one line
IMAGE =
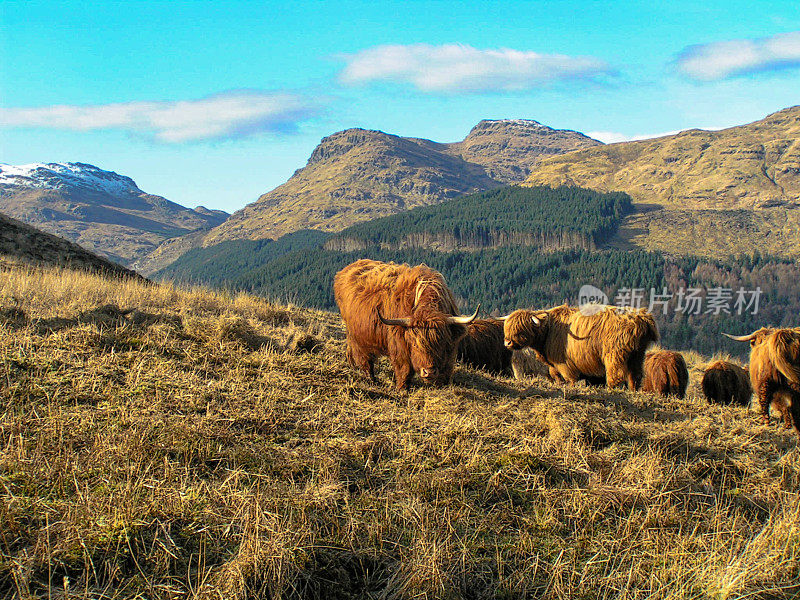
[(405, 313), (483, 348), (601, 341), (726, 383), (665, 373), (775, 371)]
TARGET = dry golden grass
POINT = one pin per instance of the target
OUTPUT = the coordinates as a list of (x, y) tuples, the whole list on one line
[(157, 442)]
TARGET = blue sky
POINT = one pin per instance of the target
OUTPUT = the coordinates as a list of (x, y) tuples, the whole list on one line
[(214, 103)]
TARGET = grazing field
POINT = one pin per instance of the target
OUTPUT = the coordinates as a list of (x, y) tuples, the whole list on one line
[(158, 442)]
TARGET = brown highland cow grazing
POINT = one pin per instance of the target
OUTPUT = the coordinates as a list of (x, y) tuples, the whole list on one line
[(483, 348), (601, 341), (726, 383), (665, 373), (405, 313), (775, 372)]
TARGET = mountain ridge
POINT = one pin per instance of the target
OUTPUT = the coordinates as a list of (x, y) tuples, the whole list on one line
[(358, 174), (717, 193), (101, 210)]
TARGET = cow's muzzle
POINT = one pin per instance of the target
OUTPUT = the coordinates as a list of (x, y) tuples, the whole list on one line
[(428, 373)]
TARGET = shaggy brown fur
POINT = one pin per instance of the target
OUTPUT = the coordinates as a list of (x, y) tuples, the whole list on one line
[(665, 373), (427, 346), (726, 383), (775, 372), (482, 347), (610, 343)]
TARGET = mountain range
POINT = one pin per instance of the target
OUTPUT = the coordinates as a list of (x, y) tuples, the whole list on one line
[(707, 193), (102, 211), (357, 175)]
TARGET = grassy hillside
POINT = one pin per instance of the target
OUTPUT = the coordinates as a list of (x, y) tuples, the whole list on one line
[(24, 243), (749, 173), (193, 447)]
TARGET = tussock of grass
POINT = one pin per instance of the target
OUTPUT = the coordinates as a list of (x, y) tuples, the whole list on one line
[(174, 455)]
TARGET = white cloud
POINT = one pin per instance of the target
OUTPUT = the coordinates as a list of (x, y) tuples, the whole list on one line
[(460, 68), (226, 115), (613, 137), (719, 60)]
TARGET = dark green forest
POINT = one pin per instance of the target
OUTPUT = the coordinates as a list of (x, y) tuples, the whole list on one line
[(505, 214), (221, 264), (299, 268)]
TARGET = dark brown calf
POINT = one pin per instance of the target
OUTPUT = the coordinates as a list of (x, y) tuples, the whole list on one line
[(665, 373)]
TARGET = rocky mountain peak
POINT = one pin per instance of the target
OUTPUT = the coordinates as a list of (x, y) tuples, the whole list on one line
[(342, 142)]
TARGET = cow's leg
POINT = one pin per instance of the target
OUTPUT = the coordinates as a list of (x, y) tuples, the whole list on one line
[(568, 374), (555, 376), (635, 370), (794, 410), (616, 373), (361, 359), (787, 408), (765, 392)]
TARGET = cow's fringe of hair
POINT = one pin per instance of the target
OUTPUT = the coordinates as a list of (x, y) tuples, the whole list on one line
[(784, 349)]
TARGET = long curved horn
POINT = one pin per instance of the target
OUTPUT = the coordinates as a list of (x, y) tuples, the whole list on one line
[(740, 338), (575, 337), (462, 320), (403, 322)]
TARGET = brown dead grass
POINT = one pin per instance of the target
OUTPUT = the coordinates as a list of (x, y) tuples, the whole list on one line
[(183, 444)]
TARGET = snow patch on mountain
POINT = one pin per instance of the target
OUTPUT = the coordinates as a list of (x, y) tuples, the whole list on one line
[(67, 175)]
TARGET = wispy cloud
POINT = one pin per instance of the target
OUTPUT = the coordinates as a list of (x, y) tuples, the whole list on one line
[(613, 137), (226, 115), (719, 60), (458, 68)]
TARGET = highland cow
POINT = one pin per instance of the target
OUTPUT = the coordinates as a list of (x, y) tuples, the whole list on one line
[(775, 372), (483, 348), (406, 313), (594, 342), (726, 383), (665, 373)]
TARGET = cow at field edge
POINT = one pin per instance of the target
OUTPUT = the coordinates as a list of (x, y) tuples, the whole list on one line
[(665, 373), (403, 312), (775, 371), (596, 341), (726, 383), (483, 348)]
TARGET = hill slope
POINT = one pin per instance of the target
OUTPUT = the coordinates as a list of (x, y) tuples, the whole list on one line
[(21, 242), (718, 192), (190, 448), (100, 210), (357, 175)]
